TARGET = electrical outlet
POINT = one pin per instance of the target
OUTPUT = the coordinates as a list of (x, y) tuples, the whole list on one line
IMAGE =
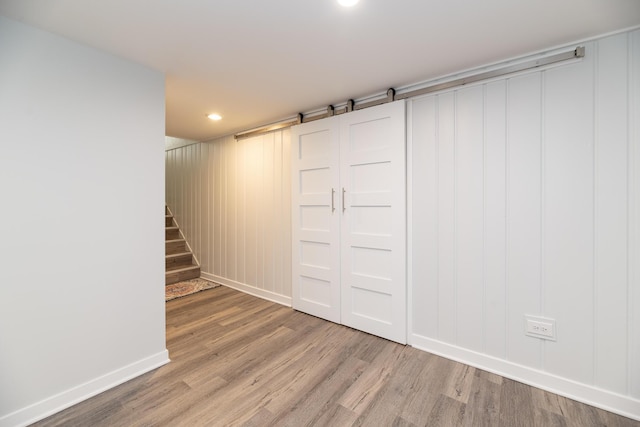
[(540, 327)]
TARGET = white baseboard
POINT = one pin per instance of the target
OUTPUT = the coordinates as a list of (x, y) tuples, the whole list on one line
[(603, 399), (248, 289), (58, 402)]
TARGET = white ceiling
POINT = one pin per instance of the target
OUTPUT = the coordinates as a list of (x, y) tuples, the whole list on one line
[(257, 61)]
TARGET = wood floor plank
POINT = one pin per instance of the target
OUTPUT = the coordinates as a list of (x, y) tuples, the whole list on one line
[(516, 407), (429, 383), (358, 397), (326, 358), (614, 420), (336, 416), (544, 418), (238, 360), (578, 414), (393, 400), (447, 412), (311, 406), (460, 380), (260, 384), (401, 422), (262, 418), (485, 402)]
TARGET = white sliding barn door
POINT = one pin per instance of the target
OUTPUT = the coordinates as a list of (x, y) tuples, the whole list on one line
[(349, 219), (373, 228), (316, 219)]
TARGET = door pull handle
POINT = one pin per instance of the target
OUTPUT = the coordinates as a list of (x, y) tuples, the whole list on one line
[(333, 194)]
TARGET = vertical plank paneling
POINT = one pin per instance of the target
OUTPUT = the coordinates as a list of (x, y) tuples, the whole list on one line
[(197, 199), (241, 210), (251, 204), (226, 219), (425, 225), (469, 154), (187, 214), (267, 215), (286, 210), (179, 178), (195, 193), (446, 218), (278, 204), (232, 201), (568, 218), (204, 204), (177, 158), (611, 214), (187, 211), (231, 223), (203, 196), (198, 181), (168, 177), (210, 216), (216, 193), (171, 177), (560, 215), (524, 227), (634, 206), (212, 208), (219, 201), (495, 219), (260, 188)]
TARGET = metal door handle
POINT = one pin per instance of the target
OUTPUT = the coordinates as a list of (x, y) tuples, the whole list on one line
[(333, 206), (344, 207)]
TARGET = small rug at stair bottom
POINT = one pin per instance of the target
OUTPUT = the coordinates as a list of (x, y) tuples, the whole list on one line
[(187, 287)]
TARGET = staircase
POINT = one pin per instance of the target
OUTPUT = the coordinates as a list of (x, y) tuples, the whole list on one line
[(180, 264)]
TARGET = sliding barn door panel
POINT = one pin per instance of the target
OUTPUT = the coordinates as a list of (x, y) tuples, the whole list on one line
[(350, 220), (315, 219), (373, 228)]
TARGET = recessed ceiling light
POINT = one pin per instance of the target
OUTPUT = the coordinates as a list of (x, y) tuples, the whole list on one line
[(348, 3), (215, 116)]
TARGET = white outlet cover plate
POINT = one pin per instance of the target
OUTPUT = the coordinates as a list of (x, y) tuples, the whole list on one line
[(540, 327)]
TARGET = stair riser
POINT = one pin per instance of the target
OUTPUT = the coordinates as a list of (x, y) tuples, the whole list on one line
[(168, 222), (171, 234), (175, 247), (186, 259), (182, 275)]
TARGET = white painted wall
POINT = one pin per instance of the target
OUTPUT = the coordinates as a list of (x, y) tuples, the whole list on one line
[(81, 220), (232, 200), (524, 197)]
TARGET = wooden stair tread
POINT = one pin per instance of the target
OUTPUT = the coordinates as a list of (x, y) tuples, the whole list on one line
[(177, 254), (181, 268)]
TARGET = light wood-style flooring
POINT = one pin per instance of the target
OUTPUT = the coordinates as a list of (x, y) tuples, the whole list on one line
[(240, 360)]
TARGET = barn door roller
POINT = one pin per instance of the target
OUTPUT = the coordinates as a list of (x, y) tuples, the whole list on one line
[(391, 94)]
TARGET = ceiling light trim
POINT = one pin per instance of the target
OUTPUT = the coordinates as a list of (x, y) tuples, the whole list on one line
[(348, 3)]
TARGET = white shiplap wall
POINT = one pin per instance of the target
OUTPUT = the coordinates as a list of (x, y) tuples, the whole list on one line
[(523, 199), (524, 202), (232, 200)]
